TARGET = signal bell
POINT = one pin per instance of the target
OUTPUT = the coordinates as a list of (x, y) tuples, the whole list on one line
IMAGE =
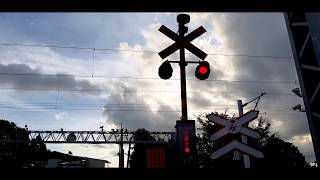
[(165, 70), (203, 70)]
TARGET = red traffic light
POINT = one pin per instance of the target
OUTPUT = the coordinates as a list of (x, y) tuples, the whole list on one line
[(203, 70)]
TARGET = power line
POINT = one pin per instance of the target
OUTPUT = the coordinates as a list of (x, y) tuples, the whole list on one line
[(142, 91), (95, 106), (108, 106), (128, 110), (127, 77), (140, 78), (283, 108), (99, 105), (137, 51)]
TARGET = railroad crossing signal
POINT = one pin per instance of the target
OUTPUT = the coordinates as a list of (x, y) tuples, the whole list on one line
[(186, 138), (235, 126), (181, 43)]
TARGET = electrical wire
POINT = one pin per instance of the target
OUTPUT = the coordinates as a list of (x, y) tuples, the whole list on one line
[(139, 105), (136, 51), (128, 110), (70, 107), (141, 91), (140, 78)]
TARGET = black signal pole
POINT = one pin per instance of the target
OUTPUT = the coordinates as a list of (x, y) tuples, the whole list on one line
[(182, 20), (182, 30), (185, 128)]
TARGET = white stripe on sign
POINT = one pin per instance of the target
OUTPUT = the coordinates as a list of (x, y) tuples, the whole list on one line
[(219, 134), (236, 145), (250, 133), (249, 116), (217, 119)]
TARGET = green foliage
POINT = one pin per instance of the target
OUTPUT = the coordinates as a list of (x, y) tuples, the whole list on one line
[(24, 153), (277, 152), (143, 135), (138, 156)]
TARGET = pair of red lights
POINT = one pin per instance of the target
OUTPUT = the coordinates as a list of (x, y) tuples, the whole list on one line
[(186, 144), (202, 71)]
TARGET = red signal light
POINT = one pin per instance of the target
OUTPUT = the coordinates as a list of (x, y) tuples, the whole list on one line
[(186, 144), (187, 149), (203, 70)]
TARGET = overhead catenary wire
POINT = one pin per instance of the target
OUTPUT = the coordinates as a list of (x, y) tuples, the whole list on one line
[(92, 65), (113, 107), (129, 110), (141, 78), (27, 105), (130, 77), (140, 91), (140, 105), (271, 108), (136, 51)]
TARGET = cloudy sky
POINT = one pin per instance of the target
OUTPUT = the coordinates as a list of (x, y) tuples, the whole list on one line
[(115, 57)]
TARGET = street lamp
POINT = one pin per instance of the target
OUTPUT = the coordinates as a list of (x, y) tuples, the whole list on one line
[(297, 92), (299, 108)]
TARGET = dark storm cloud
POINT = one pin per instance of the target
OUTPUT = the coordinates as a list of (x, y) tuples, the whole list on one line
[(16, 76), (255, 34), (252, 34), (294, 126), (142, 118), (198, 99)]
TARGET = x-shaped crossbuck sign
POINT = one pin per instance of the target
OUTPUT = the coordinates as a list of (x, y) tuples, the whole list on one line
[(184, 42), (234, 126)]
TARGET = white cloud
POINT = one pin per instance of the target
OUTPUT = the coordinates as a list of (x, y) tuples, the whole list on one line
[(154, 39), (304, 139), (46, 59), (61, 116), (304, 144)]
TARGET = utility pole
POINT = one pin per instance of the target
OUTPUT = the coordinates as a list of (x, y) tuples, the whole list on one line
[(121, 151), (129, 149), (246, 158)]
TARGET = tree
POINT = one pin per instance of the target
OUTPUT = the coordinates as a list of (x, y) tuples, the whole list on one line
[(277, 152), (23, 153), (138, 154)]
